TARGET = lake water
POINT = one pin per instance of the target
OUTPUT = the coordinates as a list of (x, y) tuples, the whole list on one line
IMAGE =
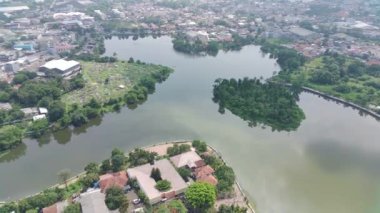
[(331, 164)]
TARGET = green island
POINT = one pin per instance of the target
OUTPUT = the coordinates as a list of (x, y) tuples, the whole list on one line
[(333, 74), (196, 47), (154, 179), (105, 84), (265, 104)]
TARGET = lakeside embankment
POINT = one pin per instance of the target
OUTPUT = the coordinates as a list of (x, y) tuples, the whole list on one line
[(346, 103), (161, 147)]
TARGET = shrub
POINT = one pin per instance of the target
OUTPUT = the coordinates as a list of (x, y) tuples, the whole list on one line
[(163, 185)]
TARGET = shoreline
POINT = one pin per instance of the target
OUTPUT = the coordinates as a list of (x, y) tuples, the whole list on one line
[(76, 177)]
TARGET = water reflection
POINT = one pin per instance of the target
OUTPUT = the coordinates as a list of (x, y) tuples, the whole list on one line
[(15, 154), (335, 157)]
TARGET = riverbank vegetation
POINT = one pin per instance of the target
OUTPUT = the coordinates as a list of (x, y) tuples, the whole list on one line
[(265, 104), (102, 87), (331, 73)]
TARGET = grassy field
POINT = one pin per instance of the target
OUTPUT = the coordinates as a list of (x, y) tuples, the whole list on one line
[(108, 80)]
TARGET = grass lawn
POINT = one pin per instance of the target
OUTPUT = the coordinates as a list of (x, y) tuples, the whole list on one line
[(108, 80)]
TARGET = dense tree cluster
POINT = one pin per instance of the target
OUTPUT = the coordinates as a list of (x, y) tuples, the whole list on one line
[(288, 59), (267, 104), (231, 209), (182, 44), (200, 146), (178, 149), (139, 157), (10, 136)]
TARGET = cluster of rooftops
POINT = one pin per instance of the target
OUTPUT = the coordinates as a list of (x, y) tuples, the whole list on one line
[(92, 201)]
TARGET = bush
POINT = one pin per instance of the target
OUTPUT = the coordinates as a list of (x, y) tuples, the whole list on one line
[(163, 185), (185, 173)]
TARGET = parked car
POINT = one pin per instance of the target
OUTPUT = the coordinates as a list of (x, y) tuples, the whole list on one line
[(136, 201)]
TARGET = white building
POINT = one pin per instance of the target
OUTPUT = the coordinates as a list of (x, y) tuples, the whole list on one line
[(61, 68)]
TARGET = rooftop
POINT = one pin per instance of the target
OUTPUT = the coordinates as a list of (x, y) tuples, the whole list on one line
[(60, 64), (118, 179), (93, 202), (190, 159), (147, 184)]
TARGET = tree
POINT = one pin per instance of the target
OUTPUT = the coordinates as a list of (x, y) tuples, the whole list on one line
[(185, 173), (178, 149), (201, 196), (114, 197), (231, 209), (89, 180), (124, 206), (64, 176), (173, 206), (226, 178), (92, 168), (118, 161), (78, 118), (72, 208), (200, 146), (56, 111), (140, 157), (156, 174), (10, 136), (38, 128), (163, 185), (105, 166)]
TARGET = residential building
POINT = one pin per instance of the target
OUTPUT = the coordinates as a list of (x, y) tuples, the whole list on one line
[(118, 179), (147, 184), (190, 159), (61, 68), (56, 207), (93, 202)]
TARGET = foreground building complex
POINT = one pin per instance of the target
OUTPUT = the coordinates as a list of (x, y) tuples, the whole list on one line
[(147, 184)]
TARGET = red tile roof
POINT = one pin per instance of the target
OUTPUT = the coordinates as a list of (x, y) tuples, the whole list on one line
[(50, 209), (203, 171), (204, 174), (118, 179)]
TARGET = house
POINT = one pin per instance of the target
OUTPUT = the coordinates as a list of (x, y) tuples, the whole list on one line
[(12, 66), (61, 68), (118, 179), (147, 184), (5, 106), (39, 117), (93, 202), (42, 111), (29, 112), (205, 174), (190, 159), (56, 207)]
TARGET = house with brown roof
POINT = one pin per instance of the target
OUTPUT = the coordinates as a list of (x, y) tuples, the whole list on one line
[(205, 174), (118, 179), (56, 207)]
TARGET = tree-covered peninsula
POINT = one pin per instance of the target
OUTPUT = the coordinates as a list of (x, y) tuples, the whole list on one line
[(265, 104)]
